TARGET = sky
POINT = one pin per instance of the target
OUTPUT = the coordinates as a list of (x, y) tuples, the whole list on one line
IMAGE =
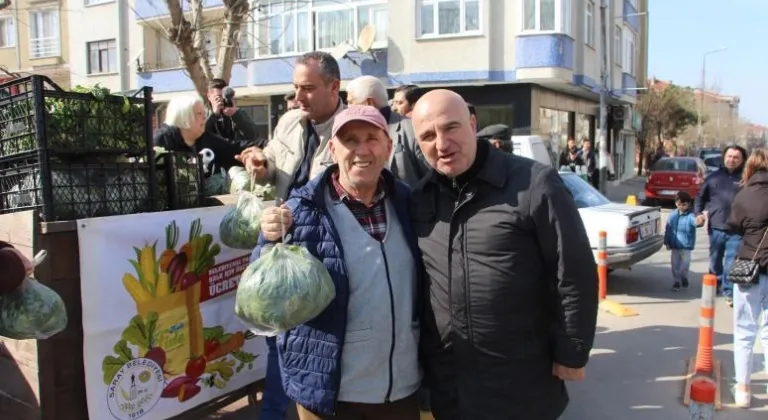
[(681, 31)]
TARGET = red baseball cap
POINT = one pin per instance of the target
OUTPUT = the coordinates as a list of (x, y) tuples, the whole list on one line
[(364, 113)]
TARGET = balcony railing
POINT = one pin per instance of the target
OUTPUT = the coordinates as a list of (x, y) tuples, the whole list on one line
[(44, 47)]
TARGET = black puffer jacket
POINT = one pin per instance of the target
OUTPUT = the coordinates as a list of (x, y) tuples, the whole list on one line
[(513, 288), (749, 218)]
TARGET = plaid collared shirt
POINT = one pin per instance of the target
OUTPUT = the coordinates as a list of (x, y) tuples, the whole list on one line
[(373, 217)]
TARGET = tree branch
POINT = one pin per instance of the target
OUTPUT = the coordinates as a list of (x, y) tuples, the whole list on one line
[(198, 21), (236, 11), (184, 37)]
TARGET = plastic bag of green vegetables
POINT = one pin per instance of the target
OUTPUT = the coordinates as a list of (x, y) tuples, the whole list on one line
[(239, 180), (265, 192), (32, 311), (282, 289), (240, 227)]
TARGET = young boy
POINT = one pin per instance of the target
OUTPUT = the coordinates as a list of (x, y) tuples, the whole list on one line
[(680, 238)]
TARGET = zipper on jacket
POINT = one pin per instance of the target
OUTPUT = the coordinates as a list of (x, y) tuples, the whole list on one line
[(467, 297), (392, 317), (464, 260), (332, 228)]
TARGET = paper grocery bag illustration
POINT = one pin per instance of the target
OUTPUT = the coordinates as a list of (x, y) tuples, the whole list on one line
[(179, 326)]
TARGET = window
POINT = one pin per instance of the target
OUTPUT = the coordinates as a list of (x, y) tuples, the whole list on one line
[(260, 116), (102, 57), (299, 26), (629, 52), (584, 194), (449, 17), (554, 127), (547, 16), (7, 32), (589, 23), (676, 165), (494, 114), (44, 34), (617, 45), (94, 2)]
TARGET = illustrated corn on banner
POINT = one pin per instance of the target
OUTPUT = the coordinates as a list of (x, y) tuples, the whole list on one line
[(160, 316)]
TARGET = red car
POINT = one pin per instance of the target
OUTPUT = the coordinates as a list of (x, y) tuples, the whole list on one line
[(670, 175)]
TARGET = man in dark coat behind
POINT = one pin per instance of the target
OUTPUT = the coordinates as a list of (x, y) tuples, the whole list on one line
[(510, 272)]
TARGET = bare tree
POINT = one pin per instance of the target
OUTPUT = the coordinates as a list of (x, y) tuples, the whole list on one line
[(665, 114), (187, 34)]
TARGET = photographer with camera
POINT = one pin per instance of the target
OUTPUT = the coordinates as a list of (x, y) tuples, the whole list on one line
[(227, 120)]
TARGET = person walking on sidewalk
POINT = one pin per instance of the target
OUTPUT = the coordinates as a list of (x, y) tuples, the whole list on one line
[(716, 196), (749, 218), (680, 239)]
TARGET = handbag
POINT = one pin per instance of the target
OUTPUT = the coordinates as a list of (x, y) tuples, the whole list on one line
[(744, 271)]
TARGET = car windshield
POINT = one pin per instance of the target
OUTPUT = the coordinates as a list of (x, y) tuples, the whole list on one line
[(676, 165), (713, 160), (584, 194)]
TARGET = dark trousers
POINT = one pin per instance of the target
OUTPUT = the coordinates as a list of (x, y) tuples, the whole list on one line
[(405, 409), (274, 402), (594, 179)]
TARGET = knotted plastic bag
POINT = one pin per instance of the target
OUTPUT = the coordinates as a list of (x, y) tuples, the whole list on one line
[(239, 180), (32, 311), (282, 289), (240, 227)]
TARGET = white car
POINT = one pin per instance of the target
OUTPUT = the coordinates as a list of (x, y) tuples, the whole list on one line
[(633, 233)]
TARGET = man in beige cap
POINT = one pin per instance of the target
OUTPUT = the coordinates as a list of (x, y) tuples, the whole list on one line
[(359, 358)]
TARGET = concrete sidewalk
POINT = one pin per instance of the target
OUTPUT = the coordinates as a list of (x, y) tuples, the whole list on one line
[(633, 186)]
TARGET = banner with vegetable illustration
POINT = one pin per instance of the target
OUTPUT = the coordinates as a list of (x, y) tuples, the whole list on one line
[(160, 332)]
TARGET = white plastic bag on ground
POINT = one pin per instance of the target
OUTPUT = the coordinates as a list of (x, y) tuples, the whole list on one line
[(284, 288)]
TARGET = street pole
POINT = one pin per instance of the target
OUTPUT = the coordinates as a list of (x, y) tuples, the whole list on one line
[(702, 88), (603, 147)]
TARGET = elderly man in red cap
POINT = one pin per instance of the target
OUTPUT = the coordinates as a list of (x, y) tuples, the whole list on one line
[(359, 358)]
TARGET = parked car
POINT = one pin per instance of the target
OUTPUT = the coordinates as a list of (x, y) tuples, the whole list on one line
[(634, 233), (713, 162), (668, 176), (704, 151)]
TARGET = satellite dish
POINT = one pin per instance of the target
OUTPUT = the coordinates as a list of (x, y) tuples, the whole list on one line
[(340, 51), (366, 38)]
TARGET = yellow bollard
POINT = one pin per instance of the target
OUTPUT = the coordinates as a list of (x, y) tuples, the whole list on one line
[(632, 200)]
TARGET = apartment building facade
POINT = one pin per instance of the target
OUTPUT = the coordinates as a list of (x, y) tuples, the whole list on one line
[(33, 40), (532, 64), (723, 125)]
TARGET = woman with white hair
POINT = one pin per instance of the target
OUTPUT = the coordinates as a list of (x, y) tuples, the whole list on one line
[(184, 131)]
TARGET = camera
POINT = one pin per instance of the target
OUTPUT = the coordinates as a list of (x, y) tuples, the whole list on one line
[(227, 94)]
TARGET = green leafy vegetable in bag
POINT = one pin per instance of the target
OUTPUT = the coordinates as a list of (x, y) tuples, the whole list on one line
[(32, 311), (240, 180), (240, 227), (284, 288), (265, 192)]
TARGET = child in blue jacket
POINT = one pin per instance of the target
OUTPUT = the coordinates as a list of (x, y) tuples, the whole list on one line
[(680, 238)]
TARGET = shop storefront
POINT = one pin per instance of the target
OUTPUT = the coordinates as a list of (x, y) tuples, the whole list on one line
[(559, 117)]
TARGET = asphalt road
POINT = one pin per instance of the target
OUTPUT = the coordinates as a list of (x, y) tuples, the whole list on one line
[(638, 365)]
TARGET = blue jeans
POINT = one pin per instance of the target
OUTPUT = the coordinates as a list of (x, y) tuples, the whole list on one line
[(681, 264), (723, 247), (274, 402), (750, 320)]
